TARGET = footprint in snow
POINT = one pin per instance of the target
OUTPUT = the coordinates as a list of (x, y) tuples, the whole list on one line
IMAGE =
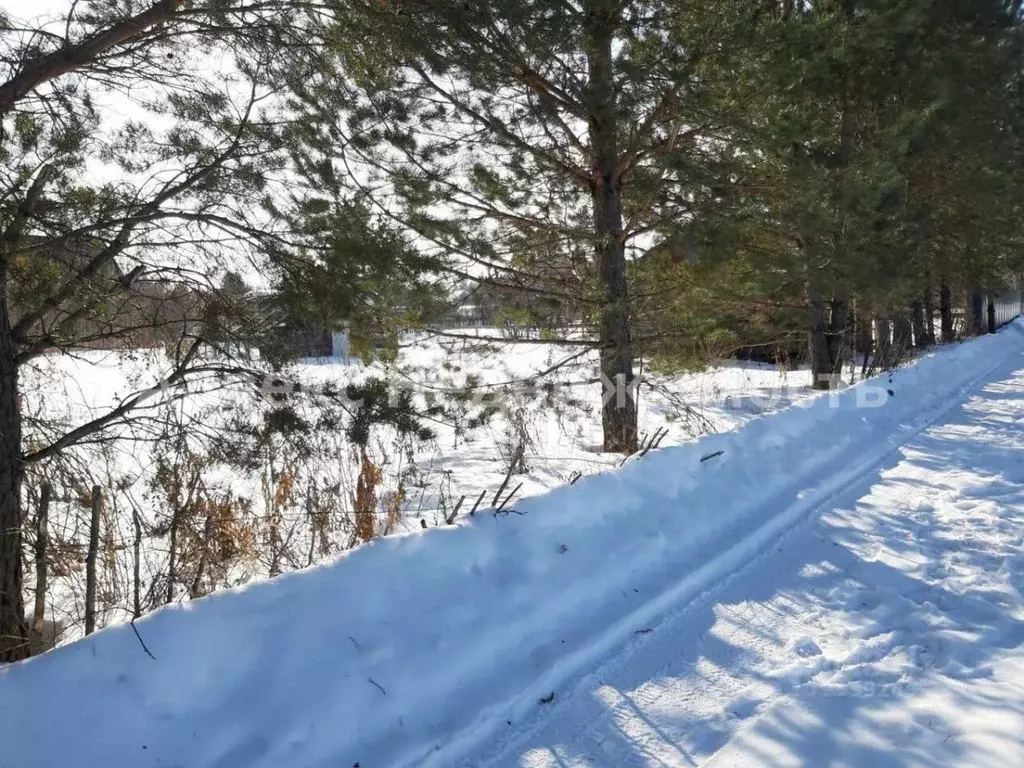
[(806, 647), (744, 707)]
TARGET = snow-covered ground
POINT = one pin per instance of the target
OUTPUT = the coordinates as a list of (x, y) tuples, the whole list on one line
[(563, 430), (884, 629), (838, 583), (559, 429)]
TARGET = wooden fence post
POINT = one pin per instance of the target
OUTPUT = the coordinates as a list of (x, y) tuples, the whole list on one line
[(90, 562)]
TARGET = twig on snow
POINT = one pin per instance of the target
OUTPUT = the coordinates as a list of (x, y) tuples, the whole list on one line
[(141, 641)]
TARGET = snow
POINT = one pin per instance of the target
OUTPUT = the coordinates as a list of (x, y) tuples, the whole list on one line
[(839, 585), (885, 629), (563, 434)]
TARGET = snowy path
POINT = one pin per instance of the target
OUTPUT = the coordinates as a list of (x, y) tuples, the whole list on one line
[(884, 630)]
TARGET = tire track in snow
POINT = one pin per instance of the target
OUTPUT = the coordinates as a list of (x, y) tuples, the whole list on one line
[(602, 711)]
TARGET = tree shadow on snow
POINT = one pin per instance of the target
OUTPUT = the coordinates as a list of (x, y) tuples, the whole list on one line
[(914, 576)]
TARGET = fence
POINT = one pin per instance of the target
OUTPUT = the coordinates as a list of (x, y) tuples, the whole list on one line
[(1004, 309)]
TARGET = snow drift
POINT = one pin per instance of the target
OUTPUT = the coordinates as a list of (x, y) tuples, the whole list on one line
[(409, 649)]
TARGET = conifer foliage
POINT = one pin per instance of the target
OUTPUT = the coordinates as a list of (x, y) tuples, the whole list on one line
[(539, 146), (145, 160)]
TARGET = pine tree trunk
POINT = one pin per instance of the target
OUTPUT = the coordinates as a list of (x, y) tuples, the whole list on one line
[(976, 314), (619, 416), (821, 358), (929, 317), (883, 343), (837, 330), (197, 583), (172, 555), (945, 312), (917, 320), (836, 327), (902, 335), (827, 336), (865, 340), (42, 532), (13, 630), (137, 566), (90, 562)]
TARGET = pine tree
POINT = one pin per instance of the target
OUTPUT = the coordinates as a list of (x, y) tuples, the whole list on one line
[(540, 146), (863, 126)]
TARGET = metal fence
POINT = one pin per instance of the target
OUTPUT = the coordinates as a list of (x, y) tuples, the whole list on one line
[(1005, 308)]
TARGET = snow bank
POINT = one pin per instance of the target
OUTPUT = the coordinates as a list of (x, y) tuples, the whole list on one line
[(410, 648)]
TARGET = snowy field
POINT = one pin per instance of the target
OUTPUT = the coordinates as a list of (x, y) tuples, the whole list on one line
[(556, 419), (563, 431), (834, 584)]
